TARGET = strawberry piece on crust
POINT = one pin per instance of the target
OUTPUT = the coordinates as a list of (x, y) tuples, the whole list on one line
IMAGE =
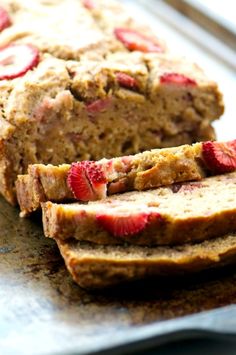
[(136, 41), (126, 80), (87, 181), (17, 59), (178, 79), (5, 20), (98, 105), (220, 157)]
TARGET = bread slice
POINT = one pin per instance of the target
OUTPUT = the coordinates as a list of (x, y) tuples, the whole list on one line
[(176, 214), (138, 172), (97, 266), (89, 180), (86, 81)]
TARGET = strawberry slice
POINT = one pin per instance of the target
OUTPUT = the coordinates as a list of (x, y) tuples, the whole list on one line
[(89, 4), (175, 78), (98, 105), (126, 80), (220, 157), (87, 181), (135, 41), (122, 223), (5, 20), (17, 59)]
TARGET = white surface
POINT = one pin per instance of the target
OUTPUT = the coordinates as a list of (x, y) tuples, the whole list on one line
[(181, 45), (225, 10)]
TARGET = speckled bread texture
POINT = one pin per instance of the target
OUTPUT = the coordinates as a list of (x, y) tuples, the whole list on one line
[(142, 171), (193, 211), (77, 104), (70, 30), (97, 266)]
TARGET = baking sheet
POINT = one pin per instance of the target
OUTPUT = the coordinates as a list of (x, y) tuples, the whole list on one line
[(42, 311)]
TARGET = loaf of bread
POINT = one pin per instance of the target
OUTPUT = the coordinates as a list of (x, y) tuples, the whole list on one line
[(97, 266), (67, 96), (180, 213)]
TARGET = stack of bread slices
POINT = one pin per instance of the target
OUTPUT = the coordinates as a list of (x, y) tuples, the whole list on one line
[(82, 81), (161, 212)]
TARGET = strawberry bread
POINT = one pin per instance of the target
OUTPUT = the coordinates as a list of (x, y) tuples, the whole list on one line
[(96, 266), (179, 213), (89, 180), (67, 97)]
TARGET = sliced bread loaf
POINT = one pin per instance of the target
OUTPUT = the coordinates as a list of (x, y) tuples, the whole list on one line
[(191, 211)]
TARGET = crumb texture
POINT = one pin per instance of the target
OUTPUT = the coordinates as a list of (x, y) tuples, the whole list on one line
[(96, 266)]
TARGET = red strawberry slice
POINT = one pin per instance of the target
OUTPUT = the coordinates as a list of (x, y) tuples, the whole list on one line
[(17, 59), (220, 157), (122, 224), (89, 4), (135, 41), (175, 78), (5, 20), (126, 81), (87, 181), (98, 105)]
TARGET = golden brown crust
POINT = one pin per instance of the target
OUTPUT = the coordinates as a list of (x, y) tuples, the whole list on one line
[(93, 266), (179, 164), (29, 191), (42, 183)]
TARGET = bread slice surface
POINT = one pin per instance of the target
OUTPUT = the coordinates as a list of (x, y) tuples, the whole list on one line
[(97, 266), (188, 212)]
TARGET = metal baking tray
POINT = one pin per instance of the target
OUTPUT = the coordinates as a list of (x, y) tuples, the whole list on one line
[(42, 311)]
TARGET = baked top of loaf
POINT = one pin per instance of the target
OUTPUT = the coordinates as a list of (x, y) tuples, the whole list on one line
[(65, 23), (89, 80), (191, 211), (96, 266), (89, 180)]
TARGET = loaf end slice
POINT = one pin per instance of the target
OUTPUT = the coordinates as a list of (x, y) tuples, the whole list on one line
[(96, 266)]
